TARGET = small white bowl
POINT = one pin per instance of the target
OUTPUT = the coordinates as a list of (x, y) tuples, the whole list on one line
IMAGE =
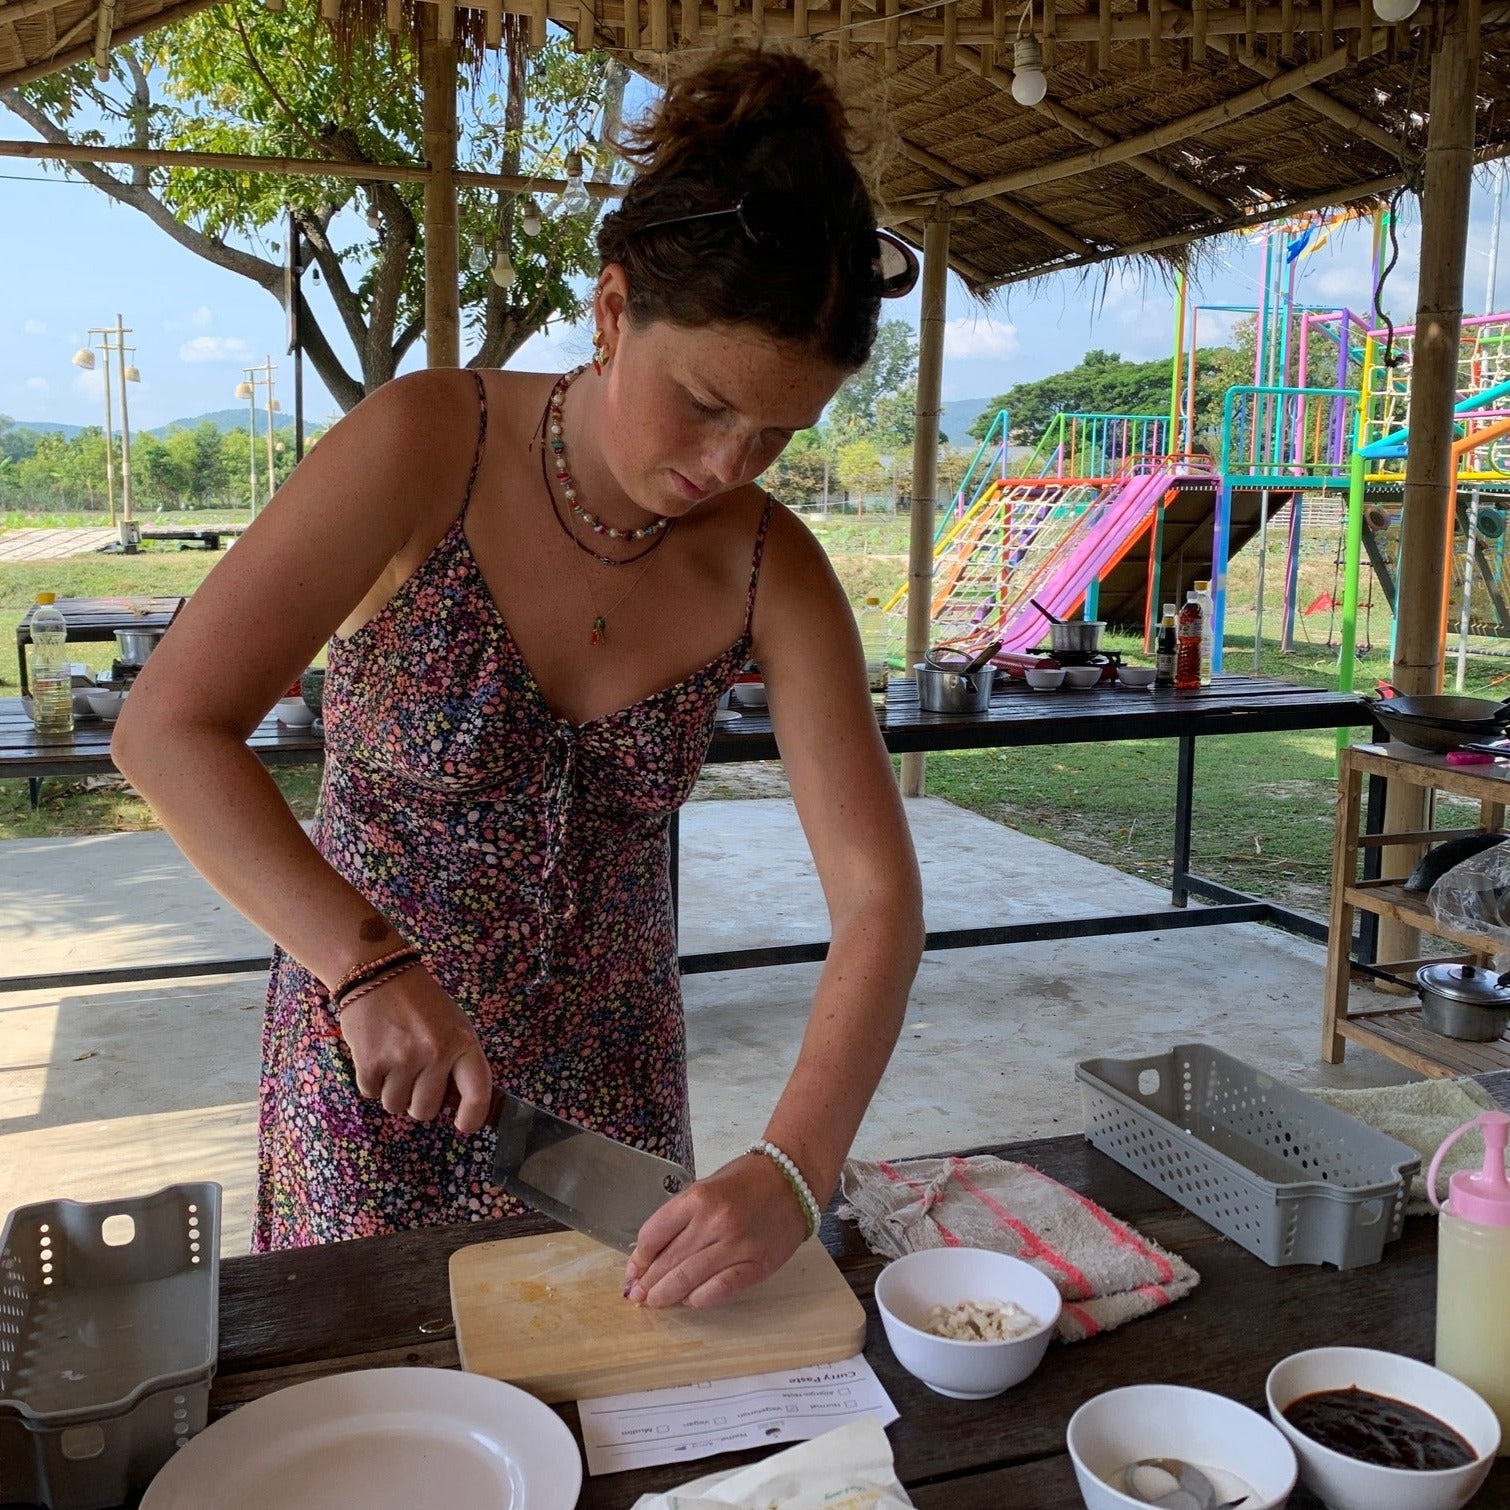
[(1044, 680), (908, 1289), (750, 694), (1347, 1483), (294, 712), (105, 702), (1123, 1426), (1082, 677), (1136, 676)]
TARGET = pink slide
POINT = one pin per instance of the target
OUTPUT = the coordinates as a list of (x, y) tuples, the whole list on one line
[(1094, 547)]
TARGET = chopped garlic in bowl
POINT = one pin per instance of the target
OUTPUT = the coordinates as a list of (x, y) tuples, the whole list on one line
[(981, 1321)]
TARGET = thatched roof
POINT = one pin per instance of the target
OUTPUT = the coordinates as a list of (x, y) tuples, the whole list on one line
[(1162, 125)]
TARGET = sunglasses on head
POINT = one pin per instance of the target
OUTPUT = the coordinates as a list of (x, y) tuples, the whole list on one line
[(767, 224)]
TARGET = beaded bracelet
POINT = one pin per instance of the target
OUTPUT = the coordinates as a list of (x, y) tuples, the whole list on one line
[(371, 970), (355, 993), (812, 1213)]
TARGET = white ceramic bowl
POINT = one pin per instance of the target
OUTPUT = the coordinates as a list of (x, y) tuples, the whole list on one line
[(105, 702), (908, 1289), (294, 712), (1113, 1430), (1136, 676), (750, 694), (1082, 676), (1044, 680), (1346, 1483)]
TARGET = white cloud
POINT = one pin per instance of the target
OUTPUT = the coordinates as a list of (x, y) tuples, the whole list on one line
[(34, 328), (36, 385), (204, 349), (978, 338), (202, 316)]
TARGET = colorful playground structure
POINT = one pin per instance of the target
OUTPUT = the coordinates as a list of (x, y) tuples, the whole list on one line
[(1114, 514)]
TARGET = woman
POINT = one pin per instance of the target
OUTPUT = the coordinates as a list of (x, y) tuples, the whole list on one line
[(535, 590)]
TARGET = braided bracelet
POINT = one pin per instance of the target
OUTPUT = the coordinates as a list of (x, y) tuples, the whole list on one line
[(356, 992), (371, 970), (812, 1213)]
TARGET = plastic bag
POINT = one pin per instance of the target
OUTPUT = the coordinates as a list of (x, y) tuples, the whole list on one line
[(1474, 897)]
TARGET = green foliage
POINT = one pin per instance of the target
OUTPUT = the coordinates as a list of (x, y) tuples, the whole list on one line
[(878, 401), (1102, 384)]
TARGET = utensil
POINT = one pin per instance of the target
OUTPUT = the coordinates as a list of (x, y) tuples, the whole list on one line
[(604, 1189), (969, 660), (1051, 617), (1174, 1485), (1464, 1001)]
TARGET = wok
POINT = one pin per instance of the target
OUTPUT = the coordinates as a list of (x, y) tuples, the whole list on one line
[(1447, 709), (1441, 733)]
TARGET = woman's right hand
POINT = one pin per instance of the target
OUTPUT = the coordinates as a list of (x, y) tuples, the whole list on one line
[(409, 1042)]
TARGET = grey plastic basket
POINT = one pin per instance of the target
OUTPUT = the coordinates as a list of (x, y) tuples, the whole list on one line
[(1292, 1180), (109, 1320)]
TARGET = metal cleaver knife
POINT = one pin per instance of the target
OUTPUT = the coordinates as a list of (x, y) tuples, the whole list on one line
[(602, 1188)]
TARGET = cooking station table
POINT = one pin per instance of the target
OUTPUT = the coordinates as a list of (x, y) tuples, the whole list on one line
[(291, 1316), (95, 621), (1018, 716)]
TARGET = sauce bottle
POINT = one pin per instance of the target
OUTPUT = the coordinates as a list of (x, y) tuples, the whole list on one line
[(1473, 1270), (1187, 661), (1166, 646)]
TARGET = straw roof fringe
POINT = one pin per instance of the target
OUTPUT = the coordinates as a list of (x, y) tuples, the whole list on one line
[(1166, 121)]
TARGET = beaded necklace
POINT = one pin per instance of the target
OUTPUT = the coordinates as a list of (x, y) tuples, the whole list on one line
[(563, 476)]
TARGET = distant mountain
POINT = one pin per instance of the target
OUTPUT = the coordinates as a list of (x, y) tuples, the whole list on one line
[(959, 414), (222, 419)]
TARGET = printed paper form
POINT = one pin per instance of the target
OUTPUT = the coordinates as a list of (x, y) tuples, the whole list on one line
[(693, 1421)]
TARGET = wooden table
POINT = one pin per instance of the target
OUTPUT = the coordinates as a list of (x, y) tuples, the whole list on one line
[(1017, 716), (95, 620), (292, 1316)]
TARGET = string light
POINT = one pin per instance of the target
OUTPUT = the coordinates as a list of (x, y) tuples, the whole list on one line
[(531, 217), (503, 269), (574, 197)]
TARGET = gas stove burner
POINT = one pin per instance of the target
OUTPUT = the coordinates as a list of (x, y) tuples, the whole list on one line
[(1081, 657), (122, 672)]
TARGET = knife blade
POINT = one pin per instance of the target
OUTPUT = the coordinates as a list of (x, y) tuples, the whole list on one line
[(603, 1189)]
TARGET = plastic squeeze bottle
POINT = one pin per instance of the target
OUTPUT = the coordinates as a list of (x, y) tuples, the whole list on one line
[(1208, 628), (1473, 1270), (1166, 648), (874, 633), (1187, 661), (51, 676)]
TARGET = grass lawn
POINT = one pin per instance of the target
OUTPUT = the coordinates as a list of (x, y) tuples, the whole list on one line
[(1264, 803)]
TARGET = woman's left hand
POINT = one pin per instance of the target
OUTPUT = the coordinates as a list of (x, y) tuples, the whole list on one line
[(718, 1237)]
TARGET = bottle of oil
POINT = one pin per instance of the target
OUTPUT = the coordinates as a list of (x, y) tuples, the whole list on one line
[(1187, 661), (51, 677), (1473, 1270), (1166, 648)]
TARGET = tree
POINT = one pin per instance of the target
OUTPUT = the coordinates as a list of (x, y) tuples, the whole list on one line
[(879, 400), (244, 78), (800, 473), (1102, 384)]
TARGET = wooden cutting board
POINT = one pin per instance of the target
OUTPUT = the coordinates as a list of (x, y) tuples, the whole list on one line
[(548, 1313)]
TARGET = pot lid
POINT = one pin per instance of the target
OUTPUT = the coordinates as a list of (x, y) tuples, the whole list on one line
[(1470, 983)]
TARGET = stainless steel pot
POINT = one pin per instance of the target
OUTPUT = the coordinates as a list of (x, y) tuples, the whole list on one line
[(1463, 1001), (137, 644), (1076, 639), (953, 691)]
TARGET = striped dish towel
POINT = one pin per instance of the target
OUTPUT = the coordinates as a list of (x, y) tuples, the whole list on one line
[(1106, 1271)]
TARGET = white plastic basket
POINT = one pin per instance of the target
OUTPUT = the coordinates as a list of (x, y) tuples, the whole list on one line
[(109, 1325), (1292, 1180)]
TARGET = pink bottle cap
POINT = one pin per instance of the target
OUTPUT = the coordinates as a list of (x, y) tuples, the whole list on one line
[(1481, 1195)]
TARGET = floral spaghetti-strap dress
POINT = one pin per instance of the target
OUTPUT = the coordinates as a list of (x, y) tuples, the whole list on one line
[(528, 859)]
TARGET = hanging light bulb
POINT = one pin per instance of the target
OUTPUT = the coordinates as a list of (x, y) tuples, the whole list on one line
[(574, 197), (503, 269), (477, 258), (373, 218), (1392, 12), (1028, 82), (531, 217)]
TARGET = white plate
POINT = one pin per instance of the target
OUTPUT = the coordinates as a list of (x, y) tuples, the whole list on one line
[(379, 1439)]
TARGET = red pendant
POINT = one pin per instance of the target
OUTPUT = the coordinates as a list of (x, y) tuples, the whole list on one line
[(599, 631)]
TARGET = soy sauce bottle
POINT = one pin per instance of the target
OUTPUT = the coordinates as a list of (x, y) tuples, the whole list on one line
[(1166, 647)]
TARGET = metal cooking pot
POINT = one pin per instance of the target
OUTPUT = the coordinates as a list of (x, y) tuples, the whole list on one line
[(1076, 639), (137, 644), (953, 691), (1440, 723), (1464, 1001)]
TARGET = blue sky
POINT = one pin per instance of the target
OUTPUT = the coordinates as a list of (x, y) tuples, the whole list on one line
[(71, 258)]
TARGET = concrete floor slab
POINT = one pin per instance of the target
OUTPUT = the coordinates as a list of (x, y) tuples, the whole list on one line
[(111, 1091)]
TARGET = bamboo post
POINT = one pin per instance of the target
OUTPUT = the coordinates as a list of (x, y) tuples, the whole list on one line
[(437, 72), (1426, 522), (925, 452)]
